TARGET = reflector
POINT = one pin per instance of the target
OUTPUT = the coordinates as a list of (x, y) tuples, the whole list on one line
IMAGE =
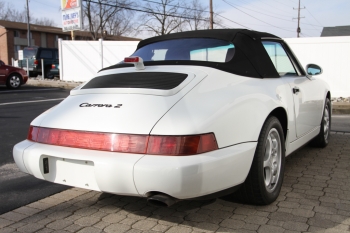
[(125, 143)]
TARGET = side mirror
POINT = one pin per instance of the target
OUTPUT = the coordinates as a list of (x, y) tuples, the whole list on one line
[(313, 69)]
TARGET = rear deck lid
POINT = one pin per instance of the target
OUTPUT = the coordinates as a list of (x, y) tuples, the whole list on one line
[(111, 103)]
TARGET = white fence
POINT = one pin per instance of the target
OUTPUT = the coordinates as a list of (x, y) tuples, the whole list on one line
[(80, 60), (332, 54)]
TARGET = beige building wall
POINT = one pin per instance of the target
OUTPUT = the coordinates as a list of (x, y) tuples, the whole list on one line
[(3, 45)]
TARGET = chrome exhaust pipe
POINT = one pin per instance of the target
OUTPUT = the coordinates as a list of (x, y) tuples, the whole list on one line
[(161, 200)]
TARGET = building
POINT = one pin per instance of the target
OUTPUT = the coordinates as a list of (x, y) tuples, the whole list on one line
[(336, 31), (13, 37)]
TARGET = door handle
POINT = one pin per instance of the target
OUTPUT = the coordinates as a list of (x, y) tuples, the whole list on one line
[(296, 90)]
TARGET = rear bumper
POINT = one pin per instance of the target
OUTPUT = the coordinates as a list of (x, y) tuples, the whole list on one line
[(55, 72), (182, 177)]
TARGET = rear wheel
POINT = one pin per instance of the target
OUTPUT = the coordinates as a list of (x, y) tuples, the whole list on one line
[(321, 140), (33, 74), (265, 177), (48, 74), (14, 81)]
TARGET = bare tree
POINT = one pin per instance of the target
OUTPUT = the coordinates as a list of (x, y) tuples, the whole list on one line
[(165, 17), (44, 22), (199, 15), (8, 12), (121, 23), (103, 17)]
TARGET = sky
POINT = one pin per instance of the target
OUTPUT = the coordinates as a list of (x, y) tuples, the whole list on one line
[(273, 16)]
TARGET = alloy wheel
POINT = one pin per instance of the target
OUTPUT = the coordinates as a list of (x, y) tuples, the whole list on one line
[(15, 81), (326, 122), (272, 160)]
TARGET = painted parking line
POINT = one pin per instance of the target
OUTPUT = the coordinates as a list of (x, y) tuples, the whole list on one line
[(33, 101), (15, 91)]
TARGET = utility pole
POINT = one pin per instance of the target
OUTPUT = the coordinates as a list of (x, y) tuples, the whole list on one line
[(298, 29), (28, 26), (211, 26)]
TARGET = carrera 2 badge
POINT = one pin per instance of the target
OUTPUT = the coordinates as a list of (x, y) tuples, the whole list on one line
[(83, 105)]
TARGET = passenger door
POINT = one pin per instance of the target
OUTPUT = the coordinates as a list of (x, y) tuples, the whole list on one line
[(308, 102)]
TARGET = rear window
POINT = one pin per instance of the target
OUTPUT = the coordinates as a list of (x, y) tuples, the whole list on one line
[(29, 52), (190, 49), (46, 54)]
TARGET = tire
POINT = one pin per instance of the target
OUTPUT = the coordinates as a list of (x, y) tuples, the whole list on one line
[(264, 181), (14, 81), (48, 74), (321, 140), (33, 74)]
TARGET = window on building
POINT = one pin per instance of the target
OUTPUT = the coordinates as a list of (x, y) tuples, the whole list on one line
[(16, 33)]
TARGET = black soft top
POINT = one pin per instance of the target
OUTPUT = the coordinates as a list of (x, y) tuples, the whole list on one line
[(250, 59)]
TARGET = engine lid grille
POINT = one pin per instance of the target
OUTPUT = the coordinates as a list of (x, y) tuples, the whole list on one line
[(145, 80)]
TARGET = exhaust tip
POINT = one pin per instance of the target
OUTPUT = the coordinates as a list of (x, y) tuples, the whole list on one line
[(161, 200), (156, 202)]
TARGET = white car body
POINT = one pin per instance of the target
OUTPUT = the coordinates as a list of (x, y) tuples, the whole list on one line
[(232, 107)]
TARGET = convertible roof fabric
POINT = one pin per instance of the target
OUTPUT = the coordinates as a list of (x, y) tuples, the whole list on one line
[(250, 59)]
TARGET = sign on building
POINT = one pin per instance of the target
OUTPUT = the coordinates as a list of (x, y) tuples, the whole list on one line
[(71, 15)]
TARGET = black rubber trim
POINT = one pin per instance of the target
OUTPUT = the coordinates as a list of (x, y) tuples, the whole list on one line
[(218, 194), (147, 80)]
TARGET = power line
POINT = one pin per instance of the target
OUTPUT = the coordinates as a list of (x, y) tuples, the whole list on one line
[(257, 18), (187, 8), (274, 7), (283, 3), (313, 17), (288, 20), (233, 21), (261, 13), (158, 13), (45, 4), (274, 13), (145, 11)]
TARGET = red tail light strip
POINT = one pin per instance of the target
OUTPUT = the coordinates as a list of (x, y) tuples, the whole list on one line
[(125, 143)]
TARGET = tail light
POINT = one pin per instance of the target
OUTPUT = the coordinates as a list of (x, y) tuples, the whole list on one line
[(89, 140), (125, 143), (36, 62), (53, 66), (181, 145)]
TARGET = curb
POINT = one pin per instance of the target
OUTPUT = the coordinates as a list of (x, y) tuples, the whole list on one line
[(340, 108)]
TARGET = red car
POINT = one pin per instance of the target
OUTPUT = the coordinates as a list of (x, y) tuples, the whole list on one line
[(12, 76)]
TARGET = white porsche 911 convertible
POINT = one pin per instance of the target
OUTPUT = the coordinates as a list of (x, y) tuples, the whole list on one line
[(195, 114)]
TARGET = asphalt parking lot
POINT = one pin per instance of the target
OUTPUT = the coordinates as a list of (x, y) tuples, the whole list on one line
[(315, 196)]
